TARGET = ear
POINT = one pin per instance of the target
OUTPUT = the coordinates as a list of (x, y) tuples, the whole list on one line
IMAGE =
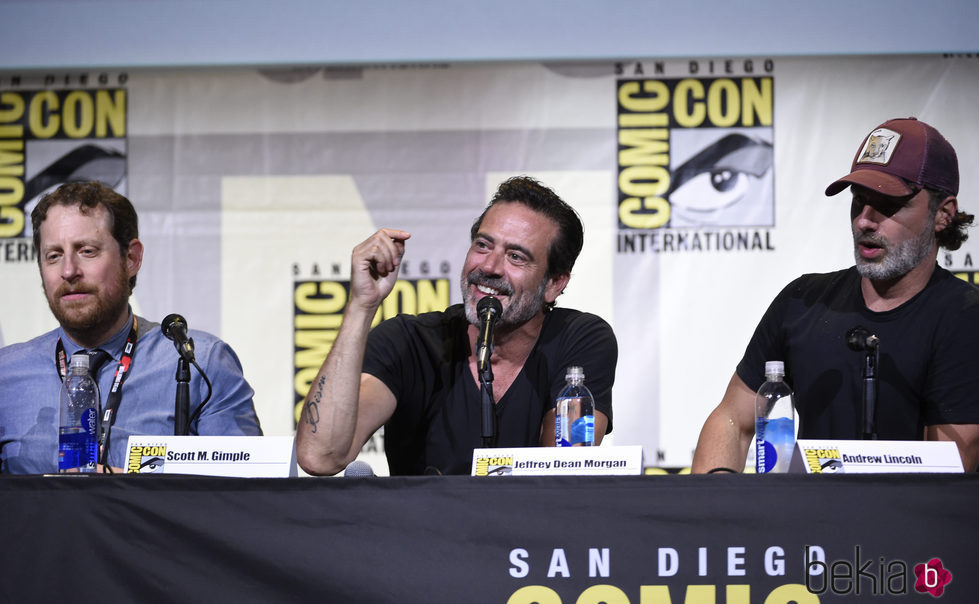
[(134, 257), (947, 210), (555, 287)]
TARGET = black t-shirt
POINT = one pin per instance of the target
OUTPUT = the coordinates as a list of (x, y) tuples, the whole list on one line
[(437, 423), (929, 355)]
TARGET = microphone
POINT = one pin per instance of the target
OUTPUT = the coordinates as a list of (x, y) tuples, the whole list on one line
[(489, 310), (357, 469), (859, 338), (174, 327)]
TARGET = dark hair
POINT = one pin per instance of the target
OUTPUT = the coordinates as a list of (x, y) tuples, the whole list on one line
[(87, 196), (952, 236), (564, 249)]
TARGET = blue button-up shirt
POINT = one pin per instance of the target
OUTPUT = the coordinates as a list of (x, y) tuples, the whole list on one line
[(30, 387)]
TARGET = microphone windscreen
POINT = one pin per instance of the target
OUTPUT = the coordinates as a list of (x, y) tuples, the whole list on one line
[(358, 468), (856, 338), (169, 321), (489, 303)]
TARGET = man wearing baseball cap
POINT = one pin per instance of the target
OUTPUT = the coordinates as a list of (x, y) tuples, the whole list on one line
[(904, 180)]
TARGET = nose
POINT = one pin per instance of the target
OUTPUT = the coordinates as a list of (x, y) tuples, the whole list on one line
[(867, 218), (492, 262), (70, 269)]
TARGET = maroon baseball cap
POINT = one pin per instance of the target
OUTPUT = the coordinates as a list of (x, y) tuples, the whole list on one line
[(900, 153)]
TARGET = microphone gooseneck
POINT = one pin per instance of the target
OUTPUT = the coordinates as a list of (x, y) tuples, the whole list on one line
[(174, 327), (488, 309), (860, 339)]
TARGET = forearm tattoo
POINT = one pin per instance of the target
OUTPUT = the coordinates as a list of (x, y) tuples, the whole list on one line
[(313, 405)]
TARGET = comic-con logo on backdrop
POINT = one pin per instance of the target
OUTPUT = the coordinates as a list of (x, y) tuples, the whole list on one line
[(318, 312), (695, 153), (50, 135)]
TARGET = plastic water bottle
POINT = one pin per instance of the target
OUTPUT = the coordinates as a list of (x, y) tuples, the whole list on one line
[(574, 414), (774, 421), (78, 429)]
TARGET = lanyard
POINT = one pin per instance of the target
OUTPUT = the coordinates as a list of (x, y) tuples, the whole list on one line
[(115, 393)]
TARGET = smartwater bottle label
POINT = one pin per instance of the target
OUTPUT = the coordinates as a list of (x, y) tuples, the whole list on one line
[(90, 421), (774, 443)]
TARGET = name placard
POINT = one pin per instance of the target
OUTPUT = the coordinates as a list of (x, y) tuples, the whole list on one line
[(874, 456), (239, 456), (558, 461)]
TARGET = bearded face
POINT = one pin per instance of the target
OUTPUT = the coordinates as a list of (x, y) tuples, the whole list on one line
[(84, 272), (83, 307), (891, 236), (896, 259), (508, 259)]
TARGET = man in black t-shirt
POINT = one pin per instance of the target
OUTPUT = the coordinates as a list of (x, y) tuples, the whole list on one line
[(904, 181), (417, 376)]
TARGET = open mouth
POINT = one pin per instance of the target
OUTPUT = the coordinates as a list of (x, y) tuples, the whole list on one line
[(869, 248), (489, 291), (870, 251)]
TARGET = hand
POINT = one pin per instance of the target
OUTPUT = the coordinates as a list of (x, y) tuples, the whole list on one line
[(375, 264)]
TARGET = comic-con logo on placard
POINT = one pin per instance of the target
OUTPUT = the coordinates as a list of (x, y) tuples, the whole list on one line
[(49, 136), (319, 307), (823, 461), (146, 459), (488, 465), (696, 152)]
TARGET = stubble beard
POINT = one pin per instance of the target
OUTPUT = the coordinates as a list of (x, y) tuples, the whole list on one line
[(897, 261), (521, 309)]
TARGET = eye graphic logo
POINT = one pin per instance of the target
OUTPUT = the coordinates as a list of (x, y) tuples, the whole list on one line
[(932, 577)]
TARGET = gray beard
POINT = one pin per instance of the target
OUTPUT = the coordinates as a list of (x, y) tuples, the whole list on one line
[(520, 310), (897, 261)]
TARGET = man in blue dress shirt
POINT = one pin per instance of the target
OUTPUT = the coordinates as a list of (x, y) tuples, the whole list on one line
[(86, 237)]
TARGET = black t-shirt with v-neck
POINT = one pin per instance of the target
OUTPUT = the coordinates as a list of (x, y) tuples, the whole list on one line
[(929, 355), (437, 423)]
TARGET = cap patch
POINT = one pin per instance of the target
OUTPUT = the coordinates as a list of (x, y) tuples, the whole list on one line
[(879, 148)]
